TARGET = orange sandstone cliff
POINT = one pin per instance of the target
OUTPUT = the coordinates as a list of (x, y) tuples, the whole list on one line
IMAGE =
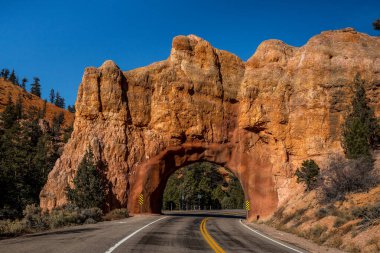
[(259, 118)]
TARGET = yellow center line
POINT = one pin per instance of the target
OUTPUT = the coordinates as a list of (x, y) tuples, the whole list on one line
[(213, 244)]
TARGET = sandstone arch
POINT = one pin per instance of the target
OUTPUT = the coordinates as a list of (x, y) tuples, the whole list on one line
[(259, 118), (152, 176)]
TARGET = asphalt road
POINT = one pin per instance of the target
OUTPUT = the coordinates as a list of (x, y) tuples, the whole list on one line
[(204, 231)]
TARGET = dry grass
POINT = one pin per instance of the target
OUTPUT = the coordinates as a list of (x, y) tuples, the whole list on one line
[(116, 214), (333, 225), (34, 220)]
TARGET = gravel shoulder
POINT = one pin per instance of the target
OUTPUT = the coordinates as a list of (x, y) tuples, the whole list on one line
[(291, 239)]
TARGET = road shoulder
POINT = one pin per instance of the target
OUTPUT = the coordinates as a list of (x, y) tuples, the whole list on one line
[(291, 238)]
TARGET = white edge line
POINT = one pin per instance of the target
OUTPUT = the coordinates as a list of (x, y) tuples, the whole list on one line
[(257, 232), (129, 236)]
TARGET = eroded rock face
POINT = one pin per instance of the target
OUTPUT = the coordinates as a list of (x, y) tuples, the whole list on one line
[(259, 118)]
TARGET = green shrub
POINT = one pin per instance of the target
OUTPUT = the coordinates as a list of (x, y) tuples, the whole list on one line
[(92, 213), (317, 231), (321, 213), (317, 234), (60, 218), (339, 222), (308, 174), (90, 221), (34, 219), (335, 241), (368, 214), (12, 228), (116, 214)]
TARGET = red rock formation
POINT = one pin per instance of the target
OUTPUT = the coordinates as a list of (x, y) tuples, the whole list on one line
[(259, 119)]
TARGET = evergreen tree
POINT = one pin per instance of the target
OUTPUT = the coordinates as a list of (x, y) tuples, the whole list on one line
[(376, 24), (184, 185), (17, 81), (12, 112), (59, 101), (360, 130), (4, 73), (42, 112), (18, 143), (71, 108), (26, 157), (57, 123), (67, 133), (23, 83), (8, 117), (89, 185), (52, 96), (18, 107), (45, 156), (308, 174), (12, 77), (36, 87), (62, 103)]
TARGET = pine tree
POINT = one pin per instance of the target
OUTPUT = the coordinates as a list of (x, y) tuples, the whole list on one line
[(4, 73), (18, 144), (89, 185), (376, 24), (17, 81), (59, 101), (12, 77), (308, 174), (26, 157), (360, 129), (36, 87), (71, 108), (52, 96), (9, 115), (42, 113), (18, 107), (57, 123), (62, 103), (23, 83)]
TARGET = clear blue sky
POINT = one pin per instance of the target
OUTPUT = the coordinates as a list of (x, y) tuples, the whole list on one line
[(56, 40)]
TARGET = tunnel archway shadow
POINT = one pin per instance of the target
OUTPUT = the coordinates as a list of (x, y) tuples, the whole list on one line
[(201, 214)]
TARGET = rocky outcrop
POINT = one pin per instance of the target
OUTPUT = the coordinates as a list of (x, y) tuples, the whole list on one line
[(258, 118)]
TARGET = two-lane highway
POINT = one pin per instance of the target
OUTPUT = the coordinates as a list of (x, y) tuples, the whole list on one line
[(204, 231)]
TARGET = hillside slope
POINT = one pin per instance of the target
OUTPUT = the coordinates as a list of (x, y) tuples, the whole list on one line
[(29, 100)]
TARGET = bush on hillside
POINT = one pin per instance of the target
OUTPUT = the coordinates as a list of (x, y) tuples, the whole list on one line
[(34, 219), (117, 214), (72, 215), (343, 176), (367, 213), (308, 174)]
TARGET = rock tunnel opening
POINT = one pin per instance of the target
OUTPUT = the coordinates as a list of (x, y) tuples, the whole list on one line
[(202, 186), (151, 177)]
